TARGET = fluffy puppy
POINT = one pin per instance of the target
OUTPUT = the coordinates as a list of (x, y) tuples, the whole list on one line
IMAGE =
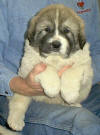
[(56, 37)]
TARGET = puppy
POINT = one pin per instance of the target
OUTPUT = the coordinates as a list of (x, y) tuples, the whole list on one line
[(55, 36)]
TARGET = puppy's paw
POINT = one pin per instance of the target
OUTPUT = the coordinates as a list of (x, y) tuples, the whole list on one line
[(70, 92), (70, 87), (15, 123), (51, 86), (69, 96), (50, 82), (52, 89)]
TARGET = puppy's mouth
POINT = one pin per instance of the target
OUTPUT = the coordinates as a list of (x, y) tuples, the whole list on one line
[(54, 48), (55, 52)]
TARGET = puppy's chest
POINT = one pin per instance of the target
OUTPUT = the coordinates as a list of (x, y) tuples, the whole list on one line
[(55, 61), (32, 57)]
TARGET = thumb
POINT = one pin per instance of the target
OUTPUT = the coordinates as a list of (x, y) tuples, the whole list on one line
[(38, 68)]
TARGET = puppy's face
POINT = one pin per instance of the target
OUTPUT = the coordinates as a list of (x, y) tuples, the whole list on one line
[(56, 30)]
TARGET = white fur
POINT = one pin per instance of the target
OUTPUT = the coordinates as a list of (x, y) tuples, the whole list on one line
[(4, 131), (64, 42), (74, 84)]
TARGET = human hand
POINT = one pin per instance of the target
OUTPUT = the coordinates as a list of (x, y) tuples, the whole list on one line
[(28, 86), (63, 69), (30, 79)]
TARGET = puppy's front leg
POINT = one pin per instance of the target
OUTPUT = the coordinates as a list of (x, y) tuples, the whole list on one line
[(70, 85), (50, 81), (18, 105)]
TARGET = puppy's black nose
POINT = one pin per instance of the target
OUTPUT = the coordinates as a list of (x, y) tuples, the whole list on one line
[(56, 44)]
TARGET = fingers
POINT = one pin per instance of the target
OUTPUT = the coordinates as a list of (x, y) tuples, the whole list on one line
[(60, 72), (30, 79), (37, 92), (38, 68), (34, 92)]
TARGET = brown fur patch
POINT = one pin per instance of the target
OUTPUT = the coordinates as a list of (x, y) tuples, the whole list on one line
[(49, 13)]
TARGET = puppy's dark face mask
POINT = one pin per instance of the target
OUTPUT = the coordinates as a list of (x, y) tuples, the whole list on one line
[(56, 31)]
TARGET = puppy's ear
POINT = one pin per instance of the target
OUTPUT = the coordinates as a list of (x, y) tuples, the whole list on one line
[(81, 35), (31, 28), (29, 34), (82, 40)]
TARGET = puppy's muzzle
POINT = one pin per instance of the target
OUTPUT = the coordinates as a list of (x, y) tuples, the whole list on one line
[(56, 45)]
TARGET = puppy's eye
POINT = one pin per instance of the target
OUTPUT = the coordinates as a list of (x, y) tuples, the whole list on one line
[(66, 30), (47, 29)]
